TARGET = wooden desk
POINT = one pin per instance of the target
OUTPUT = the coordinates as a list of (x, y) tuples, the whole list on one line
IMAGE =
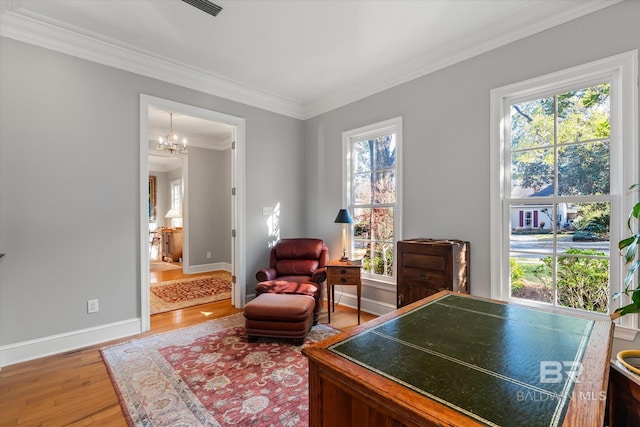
[(344, 274), (452, 359)]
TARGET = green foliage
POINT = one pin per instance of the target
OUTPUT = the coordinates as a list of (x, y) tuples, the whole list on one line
[(584, 169), (517, 275), (582, 282), (629, 248), (577, 122), (594, 218), (382, 263), (533, 169)]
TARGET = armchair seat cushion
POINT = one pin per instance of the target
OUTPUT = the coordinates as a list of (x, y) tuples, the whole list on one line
[(288, 285), (294, 285)]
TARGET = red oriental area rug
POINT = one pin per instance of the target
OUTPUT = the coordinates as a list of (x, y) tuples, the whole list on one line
[(209, 375), (176, 294)]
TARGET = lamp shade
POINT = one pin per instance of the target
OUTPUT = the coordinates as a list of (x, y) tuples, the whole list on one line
[(173, 213), (343, 217)]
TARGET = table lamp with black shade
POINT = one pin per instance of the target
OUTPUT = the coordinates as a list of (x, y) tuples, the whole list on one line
[(344, 218)]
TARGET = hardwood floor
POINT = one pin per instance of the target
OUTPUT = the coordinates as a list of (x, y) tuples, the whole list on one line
[(74, 388), (165, 275)]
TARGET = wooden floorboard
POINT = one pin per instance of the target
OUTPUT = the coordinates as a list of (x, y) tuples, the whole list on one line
[(74, 388)]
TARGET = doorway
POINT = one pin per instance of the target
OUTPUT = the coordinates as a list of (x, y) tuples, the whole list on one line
[(236, 125)]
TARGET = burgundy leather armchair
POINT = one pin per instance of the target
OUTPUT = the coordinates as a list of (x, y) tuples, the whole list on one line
[(296, 266)]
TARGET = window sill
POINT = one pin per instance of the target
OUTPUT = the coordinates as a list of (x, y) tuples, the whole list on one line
[(385, 285), (625, 333)]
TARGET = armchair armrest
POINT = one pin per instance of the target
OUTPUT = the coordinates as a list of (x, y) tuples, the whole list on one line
[(319, 276), (266, 274)]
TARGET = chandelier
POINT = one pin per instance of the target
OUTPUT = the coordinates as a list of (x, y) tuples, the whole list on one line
[(170, 142)]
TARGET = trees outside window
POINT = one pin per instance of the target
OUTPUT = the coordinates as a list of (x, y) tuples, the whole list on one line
[(564, 150), (560, 143), (371, 165)]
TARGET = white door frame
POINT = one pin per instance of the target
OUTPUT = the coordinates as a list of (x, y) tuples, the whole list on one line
[(237, 204)]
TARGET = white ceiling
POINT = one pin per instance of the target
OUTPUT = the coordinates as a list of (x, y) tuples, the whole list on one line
[(298, 58), (198, 132), (160, 163)]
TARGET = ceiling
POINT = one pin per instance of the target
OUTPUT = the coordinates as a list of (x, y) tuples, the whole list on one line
[(199, 132), (298, 58)]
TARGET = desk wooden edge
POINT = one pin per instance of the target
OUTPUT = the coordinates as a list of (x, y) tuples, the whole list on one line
[(586, 404), (589, 395)]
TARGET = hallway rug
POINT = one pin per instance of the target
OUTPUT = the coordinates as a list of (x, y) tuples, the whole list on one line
[(181, 293), (209, 375)]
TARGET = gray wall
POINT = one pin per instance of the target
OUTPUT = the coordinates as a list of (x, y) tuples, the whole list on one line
[(446, 134), (69, 156), (209, 199), (69, 188)]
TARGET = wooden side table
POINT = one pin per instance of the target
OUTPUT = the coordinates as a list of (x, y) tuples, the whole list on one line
[(345, 274)]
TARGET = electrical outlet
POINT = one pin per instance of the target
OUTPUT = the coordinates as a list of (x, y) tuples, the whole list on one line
[(267, 210), (92, 306), (208, 255)]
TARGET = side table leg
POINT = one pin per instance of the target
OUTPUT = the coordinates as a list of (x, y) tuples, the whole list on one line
[(329, 302), (359, 289)]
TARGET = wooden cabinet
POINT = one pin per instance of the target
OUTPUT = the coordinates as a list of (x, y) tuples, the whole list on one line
[(171, 244), (623, 399), (428, 266)]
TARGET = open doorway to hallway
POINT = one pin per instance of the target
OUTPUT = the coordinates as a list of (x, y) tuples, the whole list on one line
[(202, 220)]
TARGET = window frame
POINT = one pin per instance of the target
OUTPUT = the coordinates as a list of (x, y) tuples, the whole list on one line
[(385, 127), (621, 71), (176, 194)]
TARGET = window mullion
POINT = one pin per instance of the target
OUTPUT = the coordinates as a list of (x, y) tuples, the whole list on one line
[(556, 192)]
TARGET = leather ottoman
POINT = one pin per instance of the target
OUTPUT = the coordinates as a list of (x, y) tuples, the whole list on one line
[(294, 286), (279, 316)]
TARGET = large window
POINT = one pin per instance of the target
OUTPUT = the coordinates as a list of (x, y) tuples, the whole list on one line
[(564, 153), (372, 195)]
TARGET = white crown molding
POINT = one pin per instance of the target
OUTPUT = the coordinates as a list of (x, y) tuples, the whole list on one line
[(446, 54), (28, 27), (193, 140)]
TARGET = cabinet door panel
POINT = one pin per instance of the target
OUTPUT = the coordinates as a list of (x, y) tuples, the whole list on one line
[(427, 276), (431, 262)]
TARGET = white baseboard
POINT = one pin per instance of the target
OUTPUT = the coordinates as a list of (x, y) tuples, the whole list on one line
[(370, 306), (11, 354), (204, 268)]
